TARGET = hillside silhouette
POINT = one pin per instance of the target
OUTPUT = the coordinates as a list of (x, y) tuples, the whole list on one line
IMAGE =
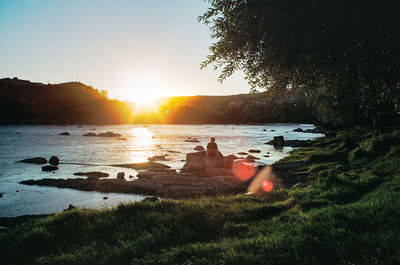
[(25, 102)]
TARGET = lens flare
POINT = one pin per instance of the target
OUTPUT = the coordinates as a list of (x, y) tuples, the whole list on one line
[(243, 170), (267, 185)]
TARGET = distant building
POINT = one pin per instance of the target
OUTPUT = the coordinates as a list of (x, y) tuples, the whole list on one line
[(104, 93)]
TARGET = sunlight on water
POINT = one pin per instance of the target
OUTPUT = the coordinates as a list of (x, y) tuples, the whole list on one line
[(141, 144)]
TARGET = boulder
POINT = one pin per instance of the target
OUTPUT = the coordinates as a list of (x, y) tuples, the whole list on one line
[(315, 130), (49, 168), (243, 153), (54, 160), (291, 143), (279, 141), (105, 198), (254, 151), (90, 134), (1, 195), (298, 130), (92, 174), (199, 148), (34, 160), (211, 166), (121, 175), (109, 134), (64, 133)]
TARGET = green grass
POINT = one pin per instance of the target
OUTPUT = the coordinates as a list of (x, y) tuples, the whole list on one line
[(348, 214)]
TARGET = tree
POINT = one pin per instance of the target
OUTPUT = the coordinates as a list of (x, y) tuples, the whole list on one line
[(343, 55)]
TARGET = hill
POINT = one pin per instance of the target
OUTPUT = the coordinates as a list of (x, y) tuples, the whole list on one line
[(24, 102)]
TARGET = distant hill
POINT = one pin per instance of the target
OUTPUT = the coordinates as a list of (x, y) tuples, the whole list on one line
[(24, 102)]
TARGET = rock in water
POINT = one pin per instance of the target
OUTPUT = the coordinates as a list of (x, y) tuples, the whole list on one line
[(150, 199), (279, 141), (109, 134), (34, 160), (121, 175), (192, 140), (254, 151), (90, 134), (49, 168), (105, 198), (298, 130), (199, 148), (250, 157), (54, 160), (64, 133), (242, 153), (92, 174), (1, 195)]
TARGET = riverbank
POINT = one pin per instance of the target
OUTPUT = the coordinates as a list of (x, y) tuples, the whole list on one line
[(345, 212)]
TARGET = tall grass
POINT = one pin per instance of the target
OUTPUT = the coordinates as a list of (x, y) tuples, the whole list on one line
[(347, 214)]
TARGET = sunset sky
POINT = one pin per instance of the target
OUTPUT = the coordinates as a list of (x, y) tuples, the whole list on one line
[(131, 48)]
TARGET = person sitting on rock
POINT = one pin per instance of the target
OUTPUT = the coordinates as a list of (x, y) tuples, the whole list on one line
[(212, 148)]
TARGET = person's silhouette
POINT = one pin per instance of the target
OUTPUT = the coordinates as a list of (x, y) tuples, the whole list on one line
[(212, 148)]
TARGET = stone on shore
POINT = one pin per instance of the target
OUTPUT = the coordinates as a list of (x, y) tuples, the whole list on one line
[(49, 168), (34, 160), (251, 157), (292, 143), (298, 130), (54, 160), (151, 199), (64, 133)]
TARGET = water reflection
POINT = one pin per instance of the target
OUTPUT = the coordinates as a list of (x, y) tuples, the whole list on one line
[(141, 144)]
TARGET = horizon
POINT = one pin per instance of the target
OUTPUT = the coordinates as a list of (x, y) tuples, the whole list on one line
[(125, 47)]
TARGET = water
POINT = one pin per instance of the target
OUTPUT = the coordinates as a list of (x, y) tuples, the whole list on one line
[(20, 142)]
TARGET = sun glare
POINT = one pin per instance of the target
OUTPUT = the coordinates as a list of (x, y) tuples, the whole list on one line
[(145, 92)]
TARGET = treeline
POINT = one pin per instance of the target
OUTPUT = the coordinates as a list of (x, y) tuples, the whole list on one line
[(245, 108), (24, 102)]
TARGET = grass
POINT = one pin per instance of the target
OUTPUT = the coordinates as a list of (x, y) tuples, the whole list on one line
[(347, 214)]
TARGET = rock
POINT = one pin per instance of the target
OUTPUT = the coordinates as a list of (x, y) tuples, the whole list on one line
[(233, 157), (273, 131), (64, 133), (298, 130), (199, 148), (70, 207), (80, 126), (17, 191), (150, 199), (109, 134), (122, 139), (254, 151), (54, 160), (121, 175), (90, 134), (143, 165), (264, 130), (131, 177), (34, 160), (192, 140), (92, 174), (243, 153), (174, 152), (49, 168), (105, 198), (157, 158), (279, 141), (212, 166), (292, 143), (315, 130), (250, 157), (266, 156), (1, 195)]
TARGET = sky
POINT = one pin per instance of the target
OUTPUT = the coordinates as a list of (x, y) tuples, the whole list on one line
[(132, 48)]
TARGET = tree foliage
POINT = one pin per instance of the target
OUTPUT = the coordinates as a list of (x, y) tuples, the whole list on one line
[(344, 55)]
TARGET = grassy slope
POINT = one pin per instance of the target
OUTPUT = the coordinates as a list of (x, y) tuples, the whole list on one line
[(348, 214)]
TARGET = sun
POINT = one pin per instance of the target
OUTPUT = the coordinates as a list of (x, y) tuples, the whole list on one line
[(145, 91)]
